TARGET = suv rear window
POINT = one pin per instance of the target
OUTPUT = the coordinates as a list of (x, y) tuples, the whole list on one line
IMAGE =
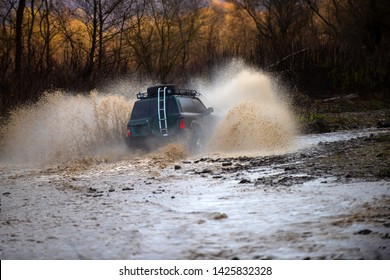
[(191, 105), (148, 108)]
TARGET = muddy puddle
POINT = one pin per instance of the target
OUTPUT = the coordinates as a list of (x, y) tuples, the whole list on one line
[(198, 207)]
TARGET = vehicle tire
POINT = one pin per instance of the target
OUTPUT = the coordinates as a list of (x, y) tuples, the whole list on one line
[(196, 140)]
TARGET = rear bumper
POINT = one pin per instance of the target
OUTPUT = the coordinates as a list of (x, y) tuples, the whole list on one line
[(153, 142)]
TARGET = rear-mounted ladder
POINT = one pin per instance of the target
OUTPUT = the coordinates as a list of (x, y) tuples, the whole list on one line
[(162, 112)]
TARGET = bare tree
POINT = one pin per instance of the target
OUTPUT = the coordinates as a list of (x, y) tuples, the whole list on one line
[(90, 17), (99, 16), (7, 38), (122, 18), (140, 37), (46, 32), (162, 33), (355, 22), (19, 36), (71, 46), (280, 25)]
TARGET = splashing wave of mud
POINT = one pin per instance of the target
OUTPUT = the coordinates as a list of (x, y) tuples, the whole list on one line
[(255, 114), (168, 154), (62, 127)]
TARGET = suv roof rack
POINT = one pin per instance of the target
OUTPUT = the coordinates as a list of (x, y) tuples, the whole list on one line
[(188, 92), (152, 92)]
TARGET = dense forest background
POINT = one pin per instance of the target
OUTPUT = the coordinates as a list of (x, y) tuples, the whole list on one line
[(318, 47)]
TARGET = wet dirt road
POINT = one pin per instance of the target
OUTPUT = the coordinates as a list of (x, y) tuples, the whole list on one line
[(322, 201)]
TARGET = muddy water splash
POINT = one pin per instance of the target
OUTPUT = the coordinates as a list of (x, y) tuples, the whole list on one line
[(255, 113), (167, 155), (62, 127), (255, 118)]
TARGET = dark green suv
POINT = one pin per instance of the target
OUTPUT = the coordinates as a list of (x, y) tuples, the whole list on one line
[(164, 114)]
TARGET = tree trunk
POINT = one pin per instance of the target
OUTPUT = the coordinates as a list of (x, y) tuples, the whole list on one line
[(91, 57), (101, 25), (47, 38), (19, 36)]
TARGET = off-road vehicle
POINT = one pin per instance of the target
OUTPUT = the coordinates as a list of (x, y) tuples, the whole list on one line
[(164, 113)]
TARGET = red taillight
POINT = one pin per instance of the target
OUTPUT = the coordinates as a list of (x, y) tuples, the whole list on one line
[(128, 132), (182, 124)]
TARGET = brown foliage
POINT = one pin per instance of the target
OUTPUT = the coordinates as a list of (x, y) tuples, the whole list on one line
[(317, 46)]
